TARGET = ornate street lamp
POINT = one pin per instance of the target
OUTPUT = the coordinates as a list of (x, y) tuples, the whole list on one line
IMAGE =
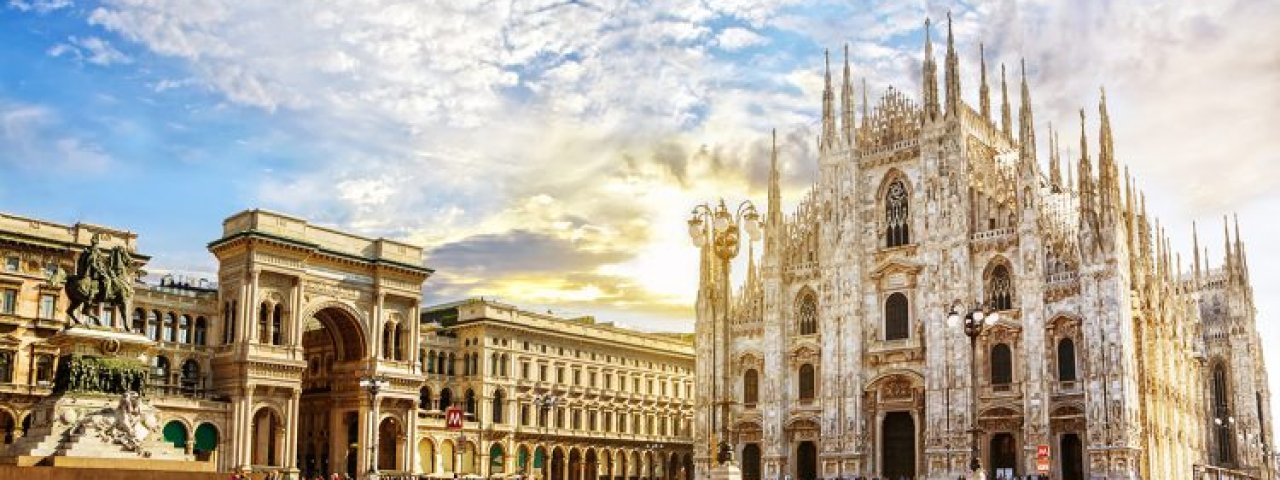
[(545, 403), (373, 384), (719, 229), (974, 322)]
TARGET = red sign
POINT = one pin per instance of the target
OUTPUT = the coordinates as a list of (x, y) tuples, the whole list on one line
[(1042, 459), (453, 418)]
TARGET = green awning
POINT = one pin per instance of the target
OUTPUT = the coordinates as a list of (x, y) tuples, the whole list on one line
[(175, 433), (206, 438)]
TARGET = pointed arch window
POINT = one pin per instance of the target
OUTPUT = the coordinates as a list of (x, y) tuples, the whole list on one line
[(1001, 365), (807, 313), (896, 317), (1222, 417), (750, 387), (1000, 288), (897, 215), (806, 383), (1066, 360)]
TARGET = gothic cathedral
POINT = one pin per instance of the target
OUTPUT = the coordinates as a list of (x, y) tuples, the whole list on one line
[(841, 355)]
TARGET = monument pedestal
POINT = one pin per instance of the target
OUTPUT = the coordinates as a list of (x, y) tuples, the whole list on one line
[(103, 425), (726, 471)]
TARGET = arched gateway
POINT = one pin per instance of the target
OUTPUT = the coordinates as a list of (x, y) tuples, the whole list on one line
[(312, 311)]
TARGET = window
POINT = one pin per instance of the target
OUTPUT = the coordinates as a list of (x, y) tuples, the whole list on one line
[(807, 312), (424, 398), (263, 334), (201, 332), (277, 325), (750, 387), (160, 370), (8, 300), (184, 328), (1222, 428), (1001, 365), (1000, 289), (1066, 360), (806, 383), (542, 373), (167, 330), (49, 303), (560, 375), (11, 264), (470, 405), (6, 367), (153, 325), (896, 318), (524, 370), (44, 369), (524, 415), (897, 215), (498, 405)]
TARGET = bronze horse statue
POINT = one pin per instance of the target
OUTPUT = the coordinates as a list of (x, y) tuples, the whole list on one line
[(100, 281)]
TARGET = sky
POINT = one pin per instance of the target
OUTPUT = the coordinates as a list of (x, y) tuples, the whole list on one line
[(548, 153)]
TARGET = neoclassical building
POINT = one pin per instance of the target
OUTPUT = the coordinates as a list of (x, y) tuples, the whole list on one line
[(837, 357), (265, 369), (552, 398)]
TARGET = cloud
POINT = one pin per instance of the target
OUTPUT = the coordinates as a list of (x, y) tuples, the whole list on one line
[(39, 6), (89, 49), (34, 138), (735, 38)]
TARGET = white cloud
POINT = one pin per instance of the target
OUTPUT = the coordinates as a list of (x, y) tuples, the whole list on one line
[(39, 6), (33, 137), (89, 49), (735, 38)]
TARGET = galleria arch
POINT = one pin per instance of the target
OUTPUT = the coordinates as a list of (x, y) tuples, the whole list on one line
[(312, 311)]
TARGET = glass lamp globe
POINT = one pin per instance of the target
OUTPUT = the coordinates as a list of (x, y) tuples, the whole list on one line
[(953, 319), (753, 229), (722, 222)]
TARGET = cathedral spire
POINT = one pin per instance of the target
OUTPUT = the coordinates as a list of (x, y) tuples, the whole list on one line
[(774, 218), (866, 109), (751, 266), (1086, 174), (952, 73), (930, 78), (1195, 251), (1226, 234), (1006, 118), (1108, 171), (846, 101), (1055, 159), (1026, 124), (984, 93), (828, 108)]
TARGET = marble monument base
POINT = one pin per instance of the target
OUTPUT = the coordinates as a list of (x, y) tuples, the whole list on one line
[(726, 471)]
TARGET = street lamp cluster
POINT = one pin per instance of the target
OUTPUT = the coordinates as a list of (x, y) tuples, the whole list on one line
[(373, 384), (719, 229), (975, 321)]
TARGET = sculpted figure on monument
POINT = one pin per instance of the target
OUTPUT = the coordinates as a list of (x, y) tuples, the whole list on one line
[(100, 277), (128, 424)]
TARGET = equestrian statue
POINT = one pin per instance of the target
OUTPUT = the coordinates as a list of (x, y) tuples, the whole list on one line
[(100, 278)]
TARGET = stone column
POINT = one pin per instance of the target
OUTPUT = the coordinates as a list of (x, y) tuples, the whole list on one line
[(411, 433), (290, 446)]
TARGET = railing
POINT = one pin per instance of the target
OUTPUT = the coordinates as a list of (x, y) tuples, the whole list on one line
[(1063, 277), (1210, 472), (992, 234)]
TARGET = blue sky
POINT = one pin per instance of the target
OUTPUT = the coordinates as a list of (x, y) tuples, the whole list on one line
[(548, 152)]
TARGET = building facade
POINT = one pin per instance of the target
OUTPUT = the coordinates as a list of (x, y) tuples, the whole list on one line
[(265, 369), (837, 357), (552, 398)]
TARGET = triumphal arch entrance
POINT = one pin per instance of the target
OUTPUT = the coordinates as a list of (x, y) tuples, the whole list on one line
[(310, 313)]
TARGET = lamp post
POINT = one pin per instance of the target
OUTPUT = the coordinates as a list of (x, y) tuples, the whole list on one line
[(373, 384), (974, 322), (720, 230), (545, 403)]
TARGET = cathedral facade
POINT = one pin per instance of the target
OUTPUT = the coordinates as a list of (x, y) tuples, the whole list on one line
[(1100, 356)]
